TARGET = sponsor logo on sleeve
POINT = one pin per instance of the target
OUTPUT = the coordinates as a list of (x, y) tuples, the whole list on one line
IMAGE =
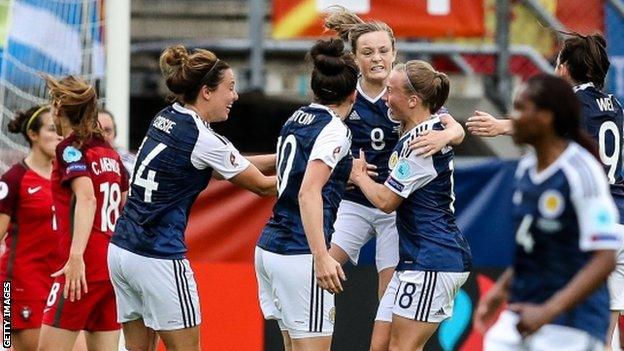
[(403, 170), (233, 159), (76, 167), (4, 190), (395, 184), (336, 152), (71, 154)]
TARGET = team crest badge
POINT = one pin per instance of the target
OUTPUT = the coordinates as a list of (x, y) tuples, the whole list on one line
[(394, 158), (71, 154), (4, 190), (551, 204), (26, 313), (332, 315)]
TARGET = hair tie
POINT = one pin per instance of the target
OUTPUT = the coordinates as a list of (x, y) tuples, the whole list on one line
[(33, 116)]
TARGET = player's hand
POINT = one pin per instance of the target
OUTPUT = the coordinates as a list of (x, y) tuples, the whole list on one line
[(488, 308), (484, 124), (429, 142), (359, 168), (75, 278), (532, 317), (328, 273)]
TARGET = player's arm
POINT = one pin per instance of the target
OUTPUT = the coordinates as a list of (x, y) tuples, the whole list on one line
[(84, 215), (5, 219), (484, 124), (253, 180), (430, 142), (492, 301), (378, 194), (328, 271), (264, 163)]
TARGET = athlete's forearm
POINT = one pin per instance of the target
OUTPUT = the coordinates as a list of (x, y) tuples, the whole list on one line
[(585, 282), (264, 163), (453, 131), (84, 215), (378, 194), (311, 209)]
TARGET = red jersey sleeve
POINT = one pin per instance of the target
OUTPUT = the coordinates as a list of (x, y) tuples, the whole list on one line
[(9, 189), (71, 163)]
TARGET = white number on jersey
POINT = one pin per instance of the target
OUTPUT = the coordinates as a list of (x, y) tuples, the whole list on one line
[(282, 176), (524, 238), (110, 205), (610, 161), (148, 183), (377, 139)]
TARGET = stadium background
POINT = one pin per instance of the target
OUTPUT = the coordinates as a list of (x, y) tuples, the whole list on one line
[(486, 46)]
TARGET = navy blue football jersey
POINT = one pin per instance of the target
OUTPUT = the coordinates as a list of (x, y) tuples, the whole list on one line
[(603, 119), (429, 239), (313, 132), (561, 214), (173, 165), (374, 132)]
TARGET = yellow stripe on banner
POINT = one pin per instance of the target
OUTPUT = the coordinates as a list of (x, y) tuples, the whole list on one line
[(296, 21)]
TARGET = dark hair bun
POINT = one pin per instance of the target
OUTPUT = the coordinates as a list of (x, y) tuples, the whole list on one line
[(328, 56), (15, 125)]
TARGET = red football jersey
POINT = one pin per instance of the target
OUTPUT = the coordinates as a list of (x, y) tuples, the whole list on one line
[(97, 160), (32, 239)]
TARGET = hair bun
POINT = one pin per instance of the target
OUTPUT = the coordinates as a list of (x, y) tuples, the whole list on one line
[(328, 56)]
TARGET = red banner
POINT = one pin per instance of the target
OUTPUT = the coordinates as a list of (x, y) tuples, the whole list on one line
[(408, 18)]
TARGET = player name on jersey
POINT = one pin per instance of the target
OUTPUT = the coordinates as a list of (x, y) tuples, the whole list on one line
[(164, 124), (106, 164)]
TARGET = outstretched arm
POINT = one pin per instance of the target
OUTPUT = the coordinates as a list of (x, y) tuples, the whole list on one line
[(484, 124), (431, 141)]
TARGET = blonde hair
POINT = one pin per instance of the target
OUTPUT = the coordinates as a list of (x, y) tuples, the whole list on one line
[(423, 80), (76, 100), (185, 73), (350, 27)]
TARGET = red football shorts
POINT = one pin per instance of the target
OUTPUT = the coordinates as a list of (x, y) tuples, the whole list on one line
[(95, 311), (26, 314)]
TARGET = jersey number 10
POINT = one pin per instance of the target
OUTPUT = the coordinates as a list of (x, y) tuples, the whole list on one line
[(285, 161)]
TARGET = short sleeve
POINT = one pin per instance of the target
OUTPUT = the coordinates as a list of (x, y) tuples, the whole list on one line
[(72, 163), (410, 174), (331, 144), (9, 191), (597, 215), (214, 151)]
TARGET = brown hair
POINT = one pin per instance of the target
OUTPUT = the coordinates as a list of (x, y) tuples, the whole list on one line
[(76, 100), (28, 120), (185, 73), (586, 58), (335, 73), (427, 83), (350, 27)]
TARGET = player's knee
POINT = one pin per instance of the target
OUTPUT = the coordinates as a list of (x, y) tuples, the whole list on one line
[(377, 345), (138, 346)]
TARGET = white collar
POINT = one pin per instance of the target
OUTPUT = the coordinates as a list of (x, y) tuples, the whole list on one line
[(323, 107), (539, 177), (583, 86), (176, 106), (361, 92)]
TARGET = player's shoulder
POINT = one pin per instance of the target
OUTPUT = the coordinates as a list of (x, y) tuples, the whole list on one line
[(584, 174), (15, 174), (527, 162)]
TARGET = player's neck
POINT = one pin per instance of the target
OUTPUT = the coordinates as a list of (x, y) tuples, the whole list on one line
[(341, 110), (39, 163), (548, 151), (417, 117), (66, 128), (372, 89)]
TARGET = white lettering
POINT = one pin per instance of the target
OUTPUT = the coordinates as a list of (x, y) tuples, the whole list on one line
[(302, 117), (106, 164), (605, 104), (164, 124)]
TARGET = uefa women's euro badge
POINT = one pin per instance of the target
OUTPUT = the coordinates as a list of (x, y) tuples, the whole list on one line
[(71, 154)]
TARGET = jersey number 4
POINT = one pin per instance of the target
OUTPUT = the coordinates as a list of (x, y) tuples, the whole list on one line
[(524, 237), (285, 156), (147, 181)]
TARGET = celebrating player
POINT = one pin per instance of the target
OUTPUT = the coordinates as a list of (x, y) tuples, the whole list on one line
[(375, 132), (434, 258), (27, 212), (566, 232), (294, 269), (89, 187), (153, 281), (583, 62)]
